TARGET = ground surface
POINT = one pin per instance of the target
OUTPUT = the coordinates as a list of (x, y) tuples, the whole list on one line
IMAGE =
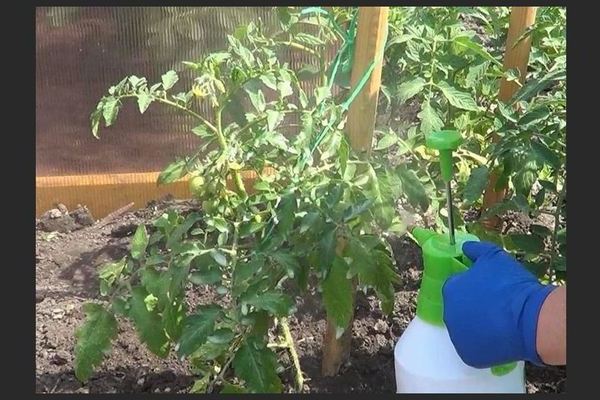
[(66, 277)]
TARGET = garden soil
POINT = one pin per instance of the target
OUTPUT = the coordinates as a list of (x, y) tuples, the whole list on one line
[(67, 261)]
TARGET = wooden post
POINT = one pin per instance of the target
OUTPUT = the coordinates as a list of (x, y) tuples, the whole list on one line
[(370, 41), (516, 57)]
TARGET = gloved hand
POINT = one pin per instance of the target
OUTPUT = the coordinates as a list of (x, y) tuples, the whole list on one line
[(491, 310)]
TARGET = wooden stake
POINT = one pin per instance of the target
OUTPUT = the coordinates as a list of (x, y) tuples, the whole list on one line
[(370, 41), (516, 57)]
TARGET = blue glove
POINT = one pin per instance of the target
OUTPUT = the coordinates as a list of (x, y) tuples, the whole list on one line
[(491, 310)]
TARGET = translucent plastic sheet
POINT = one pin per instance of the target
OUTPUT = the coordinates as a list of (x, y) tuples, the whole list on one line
[(82, 51)]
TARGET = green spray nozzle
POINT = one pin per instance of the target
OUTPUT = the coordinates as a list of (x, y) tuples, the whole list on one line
[(445, 142)]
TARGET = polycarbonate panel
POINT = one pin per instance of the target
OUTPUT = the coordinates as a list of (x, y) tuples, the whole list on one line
[(82, 51)]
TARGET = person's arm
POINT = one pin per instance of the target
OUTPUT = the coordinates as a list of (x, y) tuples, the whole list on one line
[(552, 328)]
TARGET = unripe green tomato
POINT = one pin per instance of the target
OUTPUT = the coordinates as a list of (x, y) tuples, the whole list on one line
[(197, 186), (258, 218)]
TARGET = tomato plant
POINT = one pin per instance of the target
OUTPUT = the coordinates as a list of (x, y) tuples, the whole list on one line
[(258, 246)]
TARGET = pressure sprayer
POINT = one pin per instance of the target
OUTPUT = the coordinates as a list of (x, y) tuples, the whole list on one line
[(425, 358)]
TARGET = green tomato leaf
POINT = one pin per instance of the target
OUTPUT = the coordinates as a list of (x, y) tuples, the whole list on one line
[(174, 171), (257, 366), (276, 303), (111, 110), (148, 324), (338, 295), (457, 98), (408, 89), (93, 339), (274, 118), (387, 141), (139, 242), (109, 274), (430, 119), (197, 327), (413, 188), (169, 79), (544, 154), (533, 117), (476, 184), (532, 244), (144, 99)]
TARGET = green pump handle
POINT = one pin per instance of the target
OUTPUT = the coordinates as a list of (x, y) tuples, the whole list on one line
[(445, 142)]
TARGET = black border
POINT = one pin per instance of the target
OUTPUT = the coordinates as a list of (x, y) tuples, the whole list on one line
[(582, 43)]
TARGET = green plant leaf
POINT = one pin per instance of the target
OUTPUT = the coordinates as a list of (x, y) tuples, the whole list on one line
[(476, 73), (288, 261), (201, 131), (284, 88), (533, 117), (528, 243), (457, 98), (209, 275), (338, 295), (327, 246), (540, 230), (307, 72), (278, 304), (173, 316), (148, 324), (156, 283), (525, 177), (139, 242), (387, 141), (174, 171), (269, 80), (109, 274), (274, 118), (408, 89), (344, 155), (219, 257), (468, 43), (430, 119), (374, 269), (95, 120), (228, 388), (357, 209), (179, 232), (322, 93), (169, 79), (144, 99), (544, 154), (507, 112), (413, 188), (93, 339), (257, 98), (111, 110), (197, 327), (535, 86), (476, 184), (257, 365)]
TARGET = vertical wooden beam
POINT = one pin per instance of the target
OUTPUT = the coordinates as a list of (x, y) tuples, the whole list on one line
[(517, 57), (370, 41)]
